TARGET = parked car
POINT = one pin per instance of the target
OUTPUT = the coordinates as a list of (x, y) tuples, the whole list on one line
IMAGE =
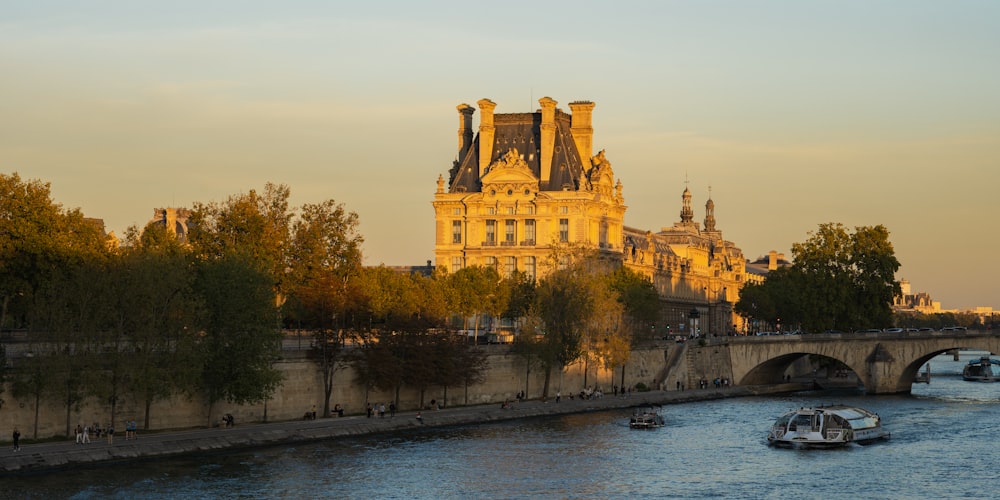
[(893, 330), (870, 330)]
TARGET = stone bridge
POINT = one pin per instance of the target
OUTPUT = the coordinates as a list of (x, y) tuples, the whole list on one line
[(886, 363)]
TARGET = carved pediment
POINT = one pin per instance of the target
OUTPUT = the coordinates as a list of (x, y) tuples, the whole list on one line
[(510, 171)]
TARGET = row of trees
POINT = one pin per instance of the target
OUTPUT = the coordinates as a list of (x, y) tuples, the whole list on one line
[(158, 317)]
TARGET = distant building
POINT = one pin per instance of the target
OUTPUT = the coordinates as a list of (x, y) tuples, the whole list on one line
[(528, 183), (763, 265), (915, 302), (174, 220)]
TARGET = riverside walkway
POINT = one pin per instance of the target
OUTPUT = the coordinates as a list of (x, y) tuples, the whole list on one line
[(48, 456)]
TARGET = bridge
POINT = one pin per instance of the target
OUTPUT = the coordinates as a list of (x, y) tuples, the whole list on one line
[(886, 363)]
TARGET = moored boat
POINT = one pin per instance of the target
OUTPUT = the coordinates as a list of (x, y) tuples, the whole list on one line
[(826, 427), (645, 418), (984, 369)]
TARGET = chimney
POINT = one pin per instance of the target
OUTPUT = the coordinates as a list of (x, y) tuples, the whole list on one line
[(464, 129), (486, 131), (582, 129), (772, 260), (548, 133)]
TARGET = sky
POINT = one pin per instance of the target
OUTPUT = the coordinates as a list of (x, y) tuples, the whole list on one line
[(791, 114)]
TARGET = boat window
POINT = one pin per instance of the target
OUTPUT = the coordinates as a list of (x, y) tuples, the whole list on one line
[(863, 423)]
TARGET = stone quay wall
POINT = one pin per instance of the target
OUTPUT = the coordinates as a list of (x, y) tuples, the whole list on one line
[(302, 388)]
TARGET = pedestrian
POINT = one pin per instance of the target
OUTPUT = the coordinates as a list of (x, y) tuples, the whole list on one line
[(314, 412), (86, 435), (111, 433), (558, 396), (381, 410), (17, 439), (420, 418), (79, 434), (392, 410)]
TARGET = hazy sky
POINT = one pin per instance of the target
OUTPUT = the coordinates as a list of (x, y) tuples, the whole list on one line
[(796, 113)]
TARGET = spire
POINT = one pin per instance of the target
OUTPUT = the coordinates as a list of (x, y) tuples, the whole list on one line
[(710, 212), (687, 213)]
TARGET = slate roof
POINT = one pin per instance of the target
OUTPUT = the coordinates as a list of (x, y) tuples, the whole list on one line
[(523, 132)]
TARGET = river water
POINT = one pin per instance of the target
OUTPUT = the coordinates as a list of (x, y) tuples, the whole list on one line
[(943, 446)]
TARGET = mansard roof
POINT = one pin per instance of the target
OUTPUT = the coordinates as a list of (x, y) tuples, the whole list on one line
[(522, 131)]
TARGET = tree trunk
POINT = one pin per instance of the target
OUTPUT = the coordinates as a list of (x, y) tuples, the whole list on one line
[(623, 378), (37, 398), (545, 386), (327, 390), (145, 418), (527, 378)]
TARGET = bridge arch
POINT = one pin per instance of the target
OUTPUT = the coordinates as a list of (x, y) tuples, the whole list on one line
[(884, 363)]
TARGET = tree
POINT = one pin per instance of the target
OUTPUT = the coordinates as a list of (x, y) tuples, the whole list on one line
[(254, 225), (839, 280), (37, 238), (564, 307), (162, 317), (325, 254), (241, 340), (473, 291)]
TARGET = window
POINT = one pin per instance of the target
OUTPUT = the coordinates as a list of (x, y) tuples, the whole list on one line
[(456, 231), (490, 210), (564, 210), (456, 211), (456, 264), (509, 232), (509, 265), (491, 232), (563, 230), (563, 261), (529, 231), (530, 209), (491, 262), (511, 211), (529, 267), (603, 237)]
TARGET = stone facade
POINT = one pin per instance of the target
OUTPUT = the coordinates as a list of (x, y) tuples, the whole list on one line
[(529, 183), (302, 388)]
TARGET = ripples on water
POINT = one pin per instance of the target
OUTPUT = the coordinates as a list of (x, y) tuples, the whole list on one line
[(942, 446)]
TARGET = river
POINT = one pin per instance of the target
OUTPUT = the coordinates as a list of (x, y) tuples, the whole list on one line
[(942, 446)]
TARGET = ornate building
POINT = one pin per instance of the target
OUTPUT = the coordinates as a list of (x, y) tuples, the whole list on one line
[(529, 182)]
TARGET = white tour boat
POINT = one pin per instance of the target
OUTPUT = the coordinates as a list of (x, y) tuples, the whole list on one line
[(826, 427), (645, 418), (984, 369)]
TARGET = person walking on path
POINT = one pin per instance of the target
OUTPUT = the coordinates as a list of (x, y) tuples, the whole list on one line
[(16, 436), (111, 433)]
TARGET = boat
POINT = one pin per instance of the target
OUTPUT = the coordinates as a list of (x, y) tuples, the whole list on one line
[(984, 369), (826, 427), (645, 418)]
